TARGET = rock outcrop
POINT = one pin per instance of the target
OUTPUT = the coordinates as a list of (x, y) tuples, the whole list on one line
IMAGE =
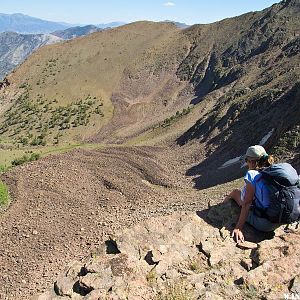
[(4, 83), (185, 256)]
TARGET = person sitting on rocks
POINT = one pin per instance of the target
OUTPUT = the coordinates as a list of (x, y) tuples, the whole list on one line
[(254, 192)]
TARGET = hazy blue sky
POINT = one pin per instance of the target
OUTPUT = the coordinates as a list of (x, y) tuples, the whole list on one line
[(100, 11)]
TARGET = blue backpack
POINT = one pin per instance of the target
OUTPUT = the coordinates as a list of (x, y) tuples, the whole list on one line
[(282, 183)]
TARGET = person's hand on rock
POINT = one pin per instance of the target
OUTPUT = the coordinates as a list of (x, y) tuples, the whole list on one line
[(238, 235)]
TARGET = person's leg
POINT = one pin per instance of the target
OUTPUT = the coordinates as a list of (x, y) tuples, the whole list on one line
[(259, 223), (235, 195)]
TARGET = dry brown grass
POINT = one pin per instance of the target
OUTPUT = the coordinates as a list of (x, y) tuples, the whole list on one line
[(94, 65)]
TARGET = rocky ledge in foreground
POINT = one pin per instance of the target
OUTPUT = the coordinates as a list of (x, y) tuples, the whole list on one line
[(186, 256)]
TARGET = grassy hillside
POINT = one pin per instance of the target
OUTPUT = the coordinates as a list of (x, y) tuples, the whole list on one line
[(63, 92), (152, 82)]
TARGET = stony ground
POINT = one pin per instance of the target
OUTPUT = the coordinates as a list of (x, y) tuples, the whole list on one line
[(186, 256), (65, 206)]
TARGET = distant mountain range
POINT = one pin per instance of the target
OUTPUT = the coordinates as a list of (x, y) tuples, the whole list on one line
[(26, 25), (110, 25), (16, 47), (76, 31), (178, 24), (20, 35)]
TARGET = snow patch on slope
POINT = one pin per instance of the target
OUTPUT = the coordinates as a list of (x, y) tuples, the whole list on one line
[(266, 137), (239, 159)]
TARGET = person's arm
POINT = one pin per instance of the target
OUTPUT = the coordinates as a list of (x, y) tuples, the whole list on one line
[(249, 195)]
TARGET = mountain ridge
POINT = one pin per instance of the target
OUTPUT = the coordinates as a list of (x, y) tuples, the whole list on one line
[(204, 65), (26, 24), (77, 31)]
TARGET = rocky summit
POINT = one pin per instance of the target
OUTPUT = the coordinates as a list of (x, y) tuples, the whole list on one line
[(185, 256)]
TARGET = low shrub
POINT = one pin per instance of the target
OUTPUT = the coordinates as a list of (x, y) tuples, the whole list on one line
[(3, 168), (25, 158), (4, 196), (175, 291), (34, 156)]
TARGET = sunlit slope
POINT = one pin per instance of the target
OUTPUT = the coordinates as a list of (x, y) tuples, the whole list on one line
[(152, 82), (64, 91)]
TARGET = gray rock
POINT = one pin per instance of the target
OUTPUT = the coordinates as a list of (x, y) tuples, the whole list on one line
[(46, 296), (64, 286), (103, 280), (74, 269), (165, 251), (296, 285), (217, 250)]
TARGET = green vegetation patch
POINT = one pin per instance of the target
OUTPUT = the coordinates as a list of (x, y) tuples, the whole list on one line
[(38, 121), (3, 168), (179, 114), (25, 158), (4, 196), (250, 291)]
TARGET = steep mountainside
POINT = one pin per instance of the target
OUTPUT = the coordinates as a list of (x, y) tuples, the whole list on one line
[(260, 63), (258, 69), (15, 48), (152, 81), (243, 73), (25, 24), (74, 32), (70, 85)]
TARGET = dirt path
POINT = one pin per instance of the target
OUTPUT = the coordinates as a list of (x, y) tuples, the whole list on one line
[(65, 205)]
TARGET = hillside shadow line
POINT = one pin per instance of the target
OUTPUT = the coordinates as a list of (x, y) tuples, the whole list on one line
[(208, 172)]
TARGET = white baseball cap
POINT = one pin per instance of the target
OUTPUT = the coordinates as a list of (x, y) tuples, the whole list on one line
[(256, 152)]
